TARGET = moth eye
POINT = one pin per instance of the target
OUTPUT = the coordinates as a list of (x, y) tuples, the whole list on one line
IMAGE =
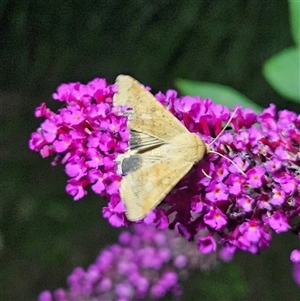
[(130, 164)]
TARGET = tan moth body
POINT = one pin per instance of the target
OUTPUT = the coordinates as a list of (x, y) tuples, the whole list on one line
[(161, 150)]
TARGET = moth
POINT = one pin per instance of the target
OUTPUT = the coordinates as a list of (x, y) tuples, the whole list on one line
[(161, 149)]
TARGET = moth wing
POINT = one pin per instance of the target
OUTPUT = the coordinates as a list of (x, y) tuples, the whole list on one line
[(143, 189), (148, 114), (139, 142)]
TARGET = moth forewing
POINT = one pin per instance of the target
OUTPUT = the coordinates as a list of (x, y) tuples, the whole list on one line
[(147, 114), (142, 190)]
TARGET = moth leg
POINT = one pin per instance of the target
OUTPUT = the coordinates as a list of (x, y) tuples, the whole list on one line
[(208, 176)]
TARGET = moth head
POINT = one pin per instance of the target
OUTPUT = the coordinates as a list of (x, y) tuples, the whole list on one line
[(202, 148)]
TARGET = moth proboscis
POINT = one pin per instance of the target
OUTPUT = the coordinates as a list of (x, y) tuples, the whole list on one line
[(161, 149)]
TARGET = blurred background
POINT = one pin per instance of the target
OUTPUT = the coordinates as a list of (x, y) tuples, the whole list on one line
[(45, 234)]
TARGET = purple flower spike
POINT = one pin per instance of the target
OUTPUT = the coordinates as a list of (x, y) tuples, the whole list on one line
[(234, 210), (295, 258), (146, 264)]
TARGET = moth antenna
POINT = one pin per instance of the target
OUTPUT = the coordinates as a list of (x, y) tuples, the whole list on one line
[(184, 187), (224, 127), (234, 164), (208, 176)]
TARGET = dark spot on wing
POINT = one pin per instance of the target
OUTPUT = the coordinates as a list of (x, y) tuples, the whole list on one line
[(130, 164)]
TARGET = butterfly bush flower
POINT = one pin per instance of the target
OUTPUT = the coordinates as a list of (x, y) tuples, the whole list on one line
[(145, 264), (295, 258), (235, 206)]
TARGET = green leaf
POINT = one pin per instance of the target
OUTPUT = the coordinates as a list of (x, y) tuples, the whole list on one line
[(224, 95), (295, 19), (282, 71)]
